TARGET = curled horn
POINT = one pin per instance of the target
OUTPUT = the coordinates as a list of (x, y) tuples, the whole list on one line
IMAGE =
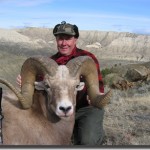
[(30, 69), (17, 92), (85, 65)]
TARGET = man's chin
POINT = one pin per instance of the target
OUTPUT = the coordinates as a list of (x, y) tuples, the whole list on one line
[(64, 51)]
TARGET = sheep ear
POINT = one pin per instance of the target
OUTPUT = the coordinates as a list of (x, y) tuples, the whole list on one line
[(80, 86)]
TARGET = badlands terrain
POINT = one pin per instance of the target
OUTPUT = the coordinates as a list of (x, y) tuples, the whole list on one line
[(127, 118)]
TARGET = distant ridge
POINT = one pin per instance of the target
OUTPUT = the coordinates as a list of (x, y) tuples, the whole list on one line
[(108, 45)]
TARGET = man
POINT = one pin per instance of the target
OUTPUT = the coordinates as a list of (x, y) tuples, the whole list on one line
[(88, 129)]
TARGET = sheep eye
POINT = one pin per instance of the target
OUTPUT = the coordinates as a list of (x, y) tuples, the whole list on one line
[(77, 86), (47, 86)]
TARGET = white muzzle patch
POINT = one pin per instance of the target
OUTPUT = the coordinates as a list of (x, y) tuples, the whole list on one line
[(64, 108)]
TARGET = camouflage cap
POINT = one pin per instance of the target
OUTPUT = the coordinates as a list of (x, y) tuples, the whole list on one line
[(66, 28)]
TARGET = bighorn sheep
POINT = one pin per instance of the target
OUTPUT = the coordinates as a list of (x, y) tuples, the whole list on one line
[(47, 116)]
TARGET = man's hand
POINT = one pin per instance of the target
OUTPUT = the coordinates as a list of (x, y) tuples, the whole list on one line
[(38, 85), (18, 80)]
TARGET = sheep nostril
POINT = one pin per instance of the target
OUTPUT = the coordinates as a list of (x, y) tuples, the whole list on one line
[(65, 109)]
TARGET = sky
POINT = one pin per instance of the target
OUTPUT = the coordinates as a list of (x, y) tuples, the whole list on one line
[(103, 15)]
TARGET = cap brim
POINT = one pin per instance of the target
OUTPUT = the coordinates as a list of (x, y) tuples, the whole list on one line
[(67, 33)]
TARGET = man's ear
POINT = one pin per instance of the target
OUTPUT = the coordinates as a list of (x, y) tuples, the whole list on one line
[(80, 86)]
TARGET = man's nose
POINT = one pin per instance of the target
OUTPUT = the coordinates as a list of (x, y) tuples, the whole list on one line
[(64, 42)]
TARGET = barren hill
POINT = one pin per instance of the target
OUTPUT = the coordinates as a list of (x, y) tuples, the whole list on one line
[(110, 45)]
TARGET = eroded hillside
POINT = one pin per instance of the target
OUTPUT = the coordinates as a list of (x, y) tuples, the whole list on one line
[(107, 45)]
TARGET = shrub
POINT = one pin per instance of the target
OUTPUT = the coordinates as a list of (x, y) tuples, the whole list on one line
[(105, 72)]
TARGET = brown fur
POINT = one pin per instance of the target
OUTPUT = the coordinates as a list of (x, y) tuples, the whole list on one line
[(38, 124), (31, 126)]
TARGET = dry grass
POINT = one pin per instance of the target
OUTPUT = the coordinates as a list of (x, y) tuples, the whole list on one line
[(127, 118), (13, 55)]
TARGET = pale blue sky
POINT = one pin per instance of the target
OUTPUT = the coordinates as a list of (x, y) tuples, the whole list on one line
[(104, 15)]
